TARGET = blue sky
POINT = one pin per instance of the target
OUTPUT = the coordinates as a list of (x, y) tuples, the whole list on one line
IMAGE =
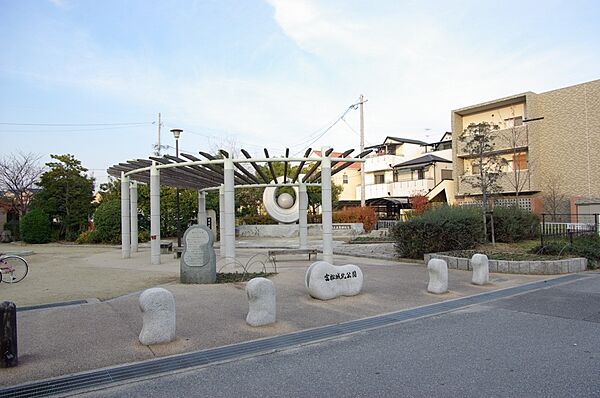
[(271, 73)]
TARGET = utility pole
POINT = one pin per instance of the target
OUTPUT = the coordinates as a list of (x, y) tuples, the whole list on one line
[(157, 148), (362, 148)]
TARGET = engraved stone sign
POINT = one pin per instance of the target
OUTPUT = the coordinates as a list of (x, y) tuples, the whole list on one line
[(198, 261)]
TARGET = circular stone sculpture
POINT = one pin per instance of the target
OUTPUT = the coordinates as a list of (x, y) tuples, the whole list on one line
[(277, 209)]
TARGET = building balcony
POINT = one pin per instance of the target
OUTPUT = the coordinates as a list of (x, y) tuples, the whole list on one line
[(507, 183), (397, 189), (382, 162), (504, 140)]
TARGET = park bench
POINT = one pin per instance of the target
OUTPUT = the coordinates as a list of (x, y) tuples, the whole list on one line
[(166, 246), (281, 252)]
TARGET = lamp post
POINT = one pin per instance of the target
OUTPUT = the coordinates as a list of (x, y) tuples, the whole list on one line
[(177, 134)]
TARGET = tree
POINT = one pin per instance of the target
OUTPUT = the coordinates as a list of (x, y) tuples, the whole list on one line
[(555, 199), (66, 195), (18, 175), (479, 143)]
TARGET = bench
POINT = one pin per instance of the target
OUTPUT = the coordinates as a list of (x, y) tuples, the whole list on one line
[(281, 252), (166, 246)]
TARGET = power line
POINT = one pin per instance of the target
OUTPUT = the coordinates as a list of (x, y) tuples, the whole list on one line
[(75, 124)]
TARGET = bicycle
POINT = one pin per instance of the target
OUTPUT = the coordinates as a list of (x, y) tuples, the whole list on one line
[(14, 266)]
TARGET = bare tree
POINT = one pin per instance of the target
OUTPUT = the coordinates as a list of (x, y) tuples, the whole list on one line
[(555, 199), (18, 176), (479, 143), (515, 139)]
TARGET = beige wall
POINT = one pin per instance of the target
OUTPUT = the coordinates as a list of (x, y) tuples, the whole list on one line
[(564, 146), (349, 189), (496, 116)]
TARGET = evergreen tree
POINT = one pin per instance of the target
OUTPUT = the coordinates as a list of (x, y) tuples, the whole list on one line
[(66, 195)]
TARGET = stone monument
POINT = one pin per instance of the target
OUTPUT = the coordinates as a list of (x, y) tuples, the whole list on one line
[(198, 261), (438, 276), (261, 302), (481, 269), (158, 313), (325, 281)]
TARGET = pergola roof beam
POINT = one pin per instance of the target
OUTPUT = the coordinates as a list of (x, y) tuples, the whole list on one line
[(317, 176), (256, 167), (285, 165), (206, 174), (316, 165), (301, 165), (271, 166)]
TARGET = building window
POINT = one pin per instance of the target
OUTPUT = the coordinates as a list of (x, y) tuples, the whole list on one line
[(418, 174), (345, 179), (380, 178), (513, 122), (520, 161), (475, 169)]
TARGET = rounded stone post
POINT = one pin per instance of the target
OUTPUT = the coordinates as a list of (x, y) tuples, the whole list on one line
[(8, 335), (302, 217), (481, 269), (438, 276), (326, 207), (154, 215), (158, 314), (125, 224), (261, 302), (133, 211)]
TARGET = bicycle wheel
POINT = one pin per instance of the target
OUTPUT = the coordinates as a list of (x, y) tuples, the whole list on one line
[(14, 269)]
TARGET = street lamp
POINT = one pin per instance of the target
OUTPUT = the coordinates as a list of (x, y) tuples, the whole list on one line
[(177, 134)]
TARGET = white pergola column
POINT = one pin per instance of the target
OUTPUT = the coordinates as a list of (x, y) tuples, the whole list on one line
[(326, 206), (154, 215), (133, 211), (229, 207), (222, 220), (125, 231), (302, 218), (201, 208)]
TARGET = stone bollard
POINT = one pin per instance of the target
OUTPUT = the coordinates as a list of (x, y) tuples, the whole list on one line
[(158, 312), (8, 335), (438, 276), (481, 269), (261, 294)]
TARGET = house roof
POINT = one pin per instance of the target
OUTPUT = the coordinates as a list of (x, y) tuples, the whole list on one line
[(353, 166), (405, 140), (422, 160)]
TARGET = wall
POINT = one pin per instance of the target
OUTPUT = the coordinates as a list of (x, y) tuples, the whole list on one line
[(495, 116)]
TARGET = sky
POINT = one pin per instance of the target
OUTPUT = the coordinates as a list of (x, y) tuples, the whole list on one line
[(89, 77)]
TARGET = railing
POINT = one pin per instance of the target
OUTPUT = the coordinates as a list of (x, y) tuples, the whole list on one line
[(568, 226), (386, 224)]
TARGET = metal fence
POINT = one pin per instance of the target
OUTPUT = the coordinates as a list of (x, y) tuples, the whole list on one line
[(386, 223), (568, 226)]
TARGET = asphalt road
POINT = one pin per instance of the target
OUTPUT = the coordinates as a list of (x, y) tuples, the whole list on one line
[(541, 344)]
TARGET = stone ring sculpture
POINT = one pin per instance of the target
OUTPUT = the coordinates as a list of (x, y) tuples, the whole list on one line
[(282, 208)]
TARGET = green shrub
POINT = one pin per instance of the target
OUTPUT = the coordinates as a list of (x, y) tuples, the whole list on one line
[(107, 220), (35, 227), (587, 246), (256, 219), (437, 230), (87, 237), (143, 235), (513, 224)]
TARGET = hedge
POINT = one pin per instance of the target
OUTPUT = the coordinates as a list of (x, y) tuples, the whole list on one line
[(441, 229)]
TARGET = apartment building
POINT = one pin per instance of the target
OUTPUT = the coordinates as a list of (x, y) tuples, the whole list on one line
[(401, 168), (549, 142)]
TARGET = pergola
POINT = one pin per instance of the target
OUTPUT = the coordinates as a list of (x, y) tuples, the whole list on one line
[(225, 173)]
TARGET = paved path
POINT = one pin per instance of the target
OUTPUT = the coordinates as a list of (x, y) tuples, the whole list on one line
[(540, 344)]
